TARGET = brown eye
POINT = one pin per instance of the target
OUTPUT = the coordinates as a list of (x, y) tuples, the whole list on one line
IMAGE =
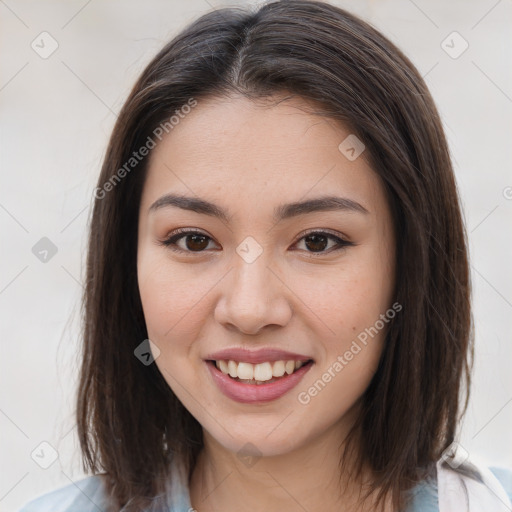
[(196, 242), (187, 241), (316, 242), (190, 241)]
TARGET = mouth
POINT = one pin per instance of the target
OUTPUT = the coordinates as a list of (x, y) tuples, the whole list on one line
[(258, 383), (259, 374)]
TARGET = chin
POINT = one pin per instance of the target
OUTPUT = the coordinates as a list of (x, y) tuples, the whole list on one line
[(264, 441)]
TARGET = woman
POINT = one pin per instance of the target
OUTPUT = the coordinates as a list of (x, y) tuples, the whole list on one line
[(277, 310)]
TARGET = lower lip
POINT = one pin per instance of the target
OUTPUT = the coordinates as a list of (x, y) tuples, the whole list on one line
[(254, 393)]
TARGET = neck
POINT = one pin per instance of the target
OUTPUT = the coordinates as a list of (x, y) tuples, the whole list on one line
[(307, 478)]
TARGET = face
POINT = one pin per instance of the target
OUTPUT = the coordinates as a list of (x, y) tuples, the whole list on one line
[(264, 283)]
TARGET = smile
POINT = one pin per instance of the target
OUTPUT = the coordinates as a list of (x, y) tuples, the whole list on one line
[(257, 383), (258, 373)]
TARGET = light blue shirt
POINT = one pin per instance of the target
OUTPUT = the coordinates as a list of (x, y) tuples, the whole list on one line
[(88, 495)]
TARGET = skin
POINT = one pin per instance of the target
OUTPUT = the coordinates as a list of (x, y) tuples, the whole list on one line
[(248, 158)]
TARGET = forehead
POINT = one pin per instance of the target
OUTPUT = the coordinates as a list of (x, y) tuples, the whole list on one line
[(248, 152)]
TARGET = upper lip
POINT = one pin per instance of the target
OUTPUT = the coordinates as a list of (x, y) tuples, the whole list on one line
[(256, 356)]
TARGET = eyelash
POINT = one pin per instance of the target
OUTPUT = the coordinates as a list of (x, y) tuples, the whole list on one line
[(177, 235)]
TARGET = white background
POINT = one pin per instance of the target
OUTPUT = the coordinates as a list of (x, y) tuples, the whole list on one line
[(56, 115)]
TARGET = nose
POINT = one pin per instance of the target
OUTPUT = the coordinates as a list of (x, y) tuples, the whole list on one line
[(253, 297)]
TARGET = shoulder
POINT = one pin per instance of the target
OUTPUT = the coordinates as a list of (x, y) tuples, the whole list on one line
[(468, 479), (504, 476), (424, 495), (86, 495), (89, 495), (462, 488)]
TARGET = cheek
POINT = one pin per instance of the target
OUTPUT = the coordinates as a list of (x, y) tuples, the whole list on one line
[(352, 308), (171, 298), (174, 313), (351, 304), (352, 299)]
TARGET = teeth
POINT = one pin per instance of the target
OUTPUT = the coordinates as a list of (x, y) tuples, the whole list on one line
[(232, 369), (258, 373), (278, 369), (245, 371), (262, 371), (223, 366)]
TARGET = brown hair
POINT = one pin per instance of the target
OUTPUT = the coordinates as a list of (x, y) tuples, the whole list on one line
[(129, 421)]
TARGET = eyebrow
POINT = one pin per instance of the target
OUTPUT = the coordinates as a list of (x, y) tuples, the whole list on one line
[(281, 212)]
